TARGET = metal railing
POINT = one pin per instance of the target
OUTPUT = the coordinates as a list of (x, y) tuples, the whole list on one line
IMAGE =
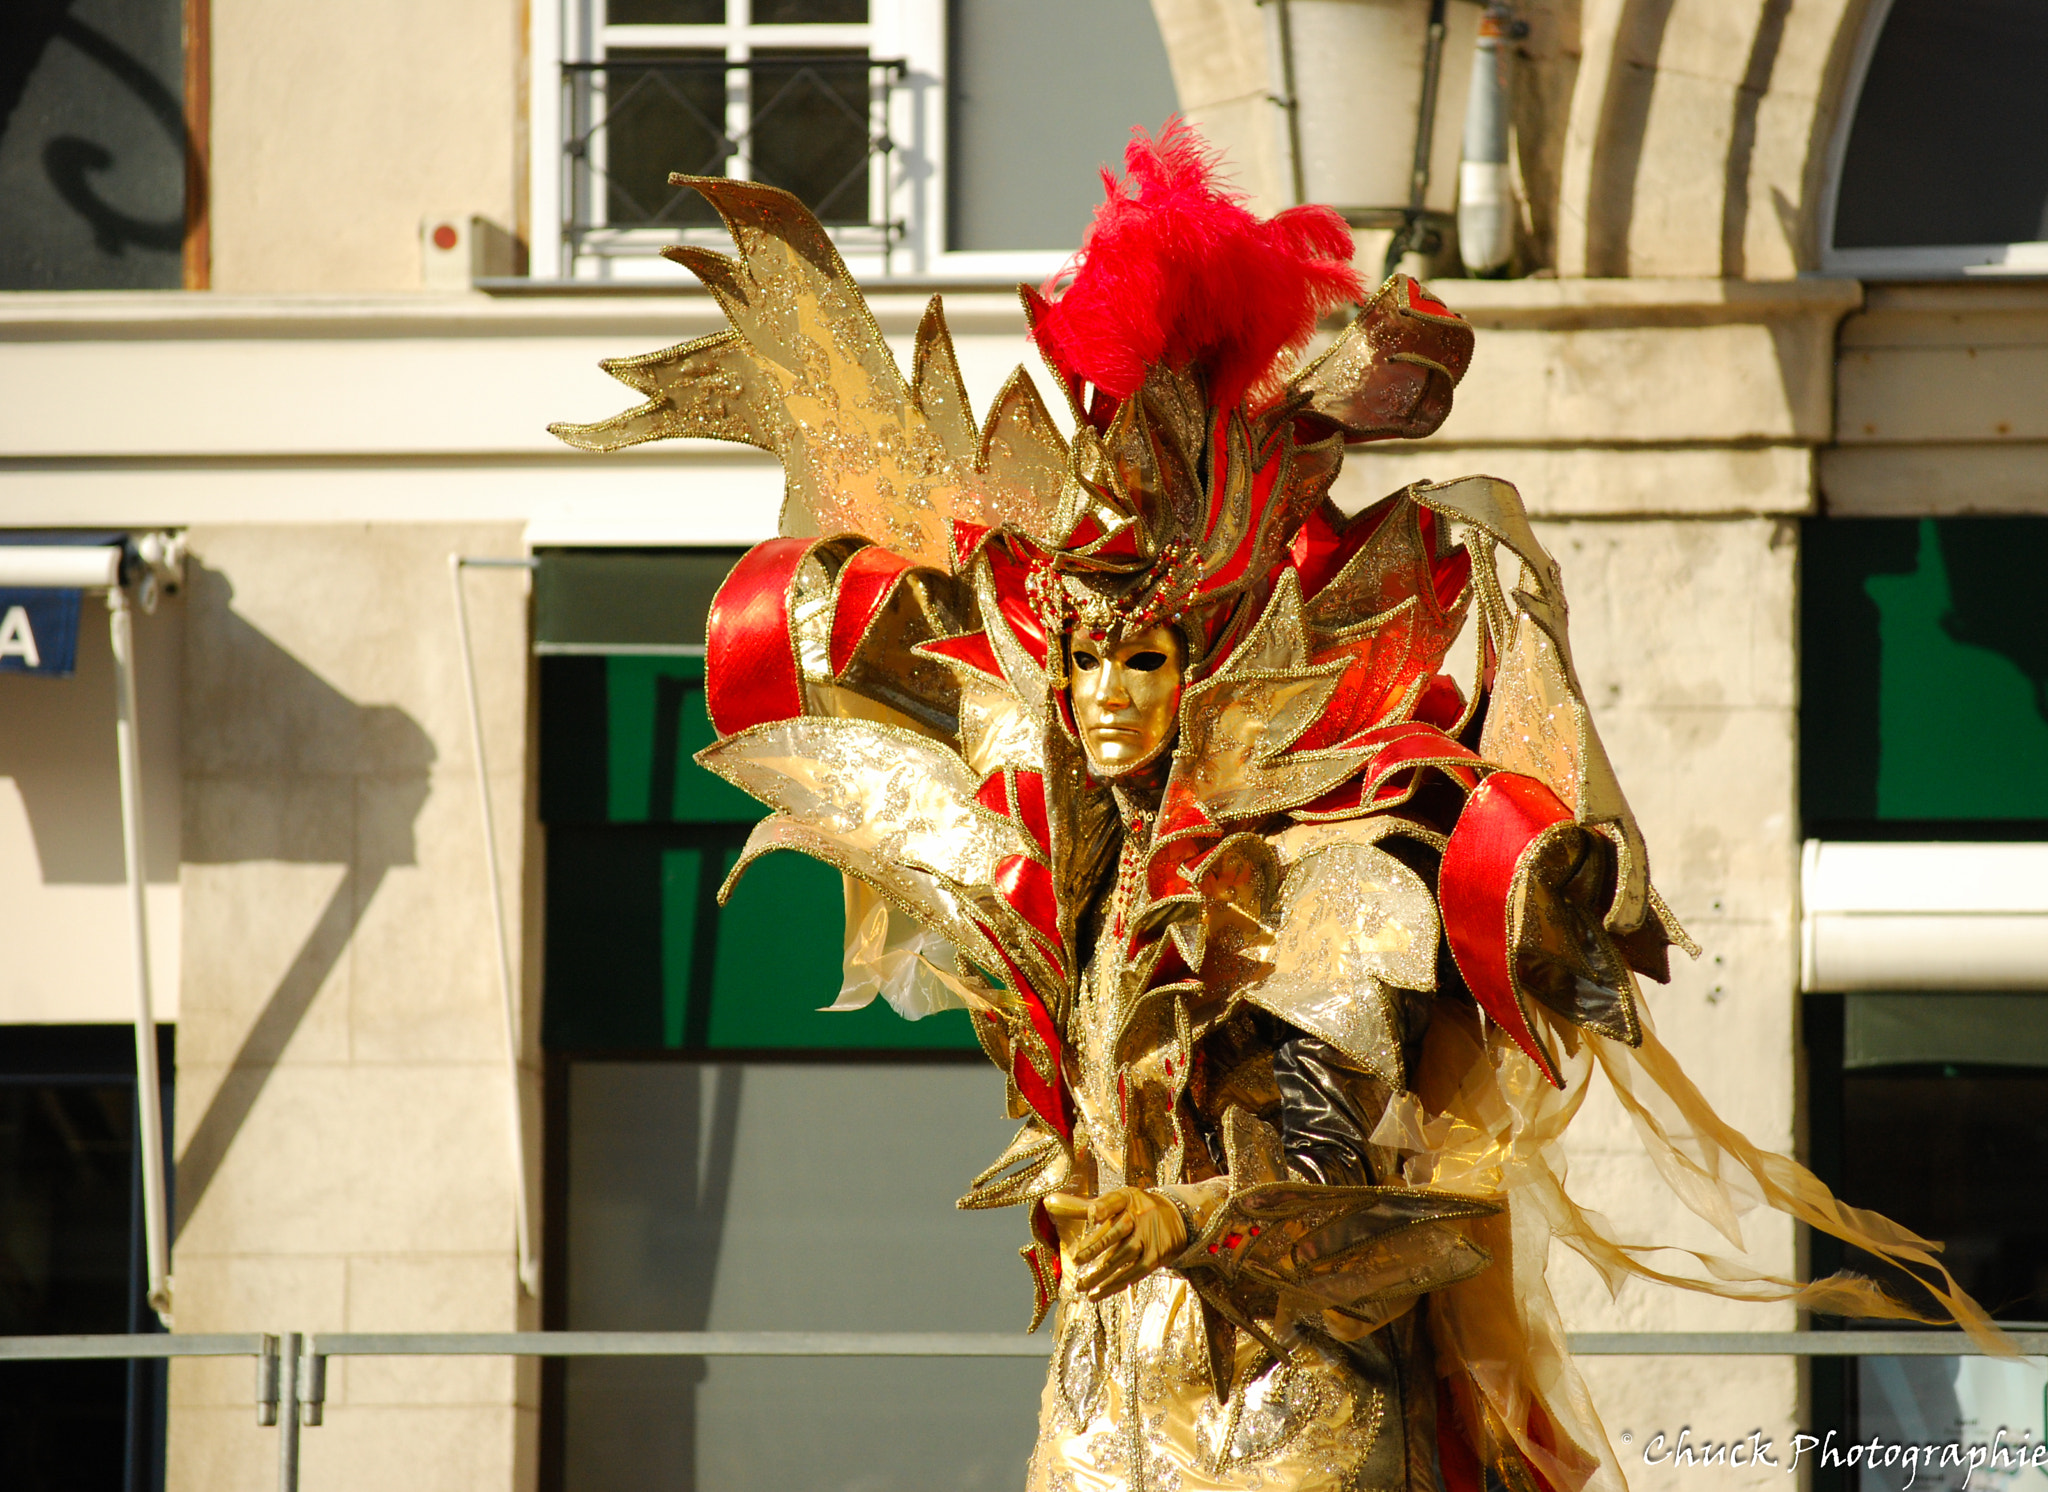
[(814, 123), (291, 1367)]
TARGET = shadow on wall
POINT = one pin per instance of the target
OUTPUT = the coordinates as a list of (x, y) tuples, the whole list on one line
[(283, 767)]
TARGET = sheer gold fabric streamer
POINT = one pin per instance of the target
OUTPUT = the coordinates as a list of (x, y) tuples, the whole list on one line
[(1482, 1120)]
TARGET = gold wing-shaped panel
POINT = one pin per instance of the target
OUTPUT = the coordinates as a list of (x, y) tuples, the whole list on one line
[(806, 374)]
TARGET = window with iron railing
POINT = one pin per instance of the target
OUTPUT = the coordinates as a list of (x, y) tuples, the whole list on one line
[(947, 138)]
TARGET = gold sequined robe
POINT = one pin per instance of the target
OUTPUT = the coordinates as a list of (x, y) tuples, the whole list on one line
[(1312, 1397)]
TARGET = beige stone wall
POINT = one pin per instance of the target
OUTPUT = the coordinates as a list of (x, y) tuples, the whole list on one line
[(344, 1158), (338, 126), (1682, 630), (1939, 402), (63, 873)]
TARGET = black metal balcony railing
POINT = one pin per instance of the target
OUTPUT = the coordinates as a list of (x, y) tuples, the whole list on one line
[(814, 123)]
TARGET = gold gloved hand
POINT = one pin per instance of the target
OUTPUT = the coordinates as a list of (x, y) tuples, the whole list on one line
[(1130, 1233)]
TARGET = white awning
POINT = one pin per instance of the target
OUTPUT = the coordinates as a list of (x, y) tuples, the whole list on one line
[(1926, 916), (65, 566)]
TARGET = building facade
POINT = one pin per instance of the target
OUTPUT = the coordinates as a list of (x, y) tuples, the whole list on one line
[(305, 284)]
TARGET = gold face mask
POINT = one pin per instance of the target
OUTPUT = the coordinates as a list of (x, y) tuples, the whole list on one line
[(1126, 696)]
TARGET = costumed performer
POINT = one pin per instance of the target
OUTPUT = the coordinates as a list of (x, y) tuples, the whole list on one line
[(1297, 957)]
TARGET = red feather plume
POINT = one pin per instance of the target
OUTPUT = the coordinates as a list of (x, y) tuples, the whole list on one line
[(1176, 270)]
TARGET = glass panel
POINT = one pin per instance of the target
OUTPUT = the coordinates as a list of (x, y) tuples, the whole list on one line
[(774, 1197), (1954, 1153), (65, 1155), (92, 146), (663, 112), (1954, 1027), (1946, 144), (640, 954), (1022, 155), (1950, 1401), (1909, 626), (810, 12), (656, 723), (810, 131), (588, 598), (665, 12), (619, 738), (66, 1255)]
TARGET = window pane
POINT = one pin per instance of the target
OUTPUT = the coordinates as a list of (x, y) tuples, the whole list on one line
[(663, 112), (1023, 156), (593, 598), (1942, 1401), (92, 146), (811, 130), (1946, 147), (1938, 1149), (818, 1197), (641, 956), (70, 1256), (665, 12), (810, 12), (1909, 626)]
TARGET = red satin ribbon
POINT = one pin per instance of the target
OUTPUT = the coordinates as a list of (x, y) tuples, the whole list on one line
[(750, 674), (864, 586), (1500, 822)]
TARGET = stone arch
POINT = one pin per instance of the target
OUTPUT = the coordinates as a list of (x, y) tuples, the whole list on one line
[(1697, 136)]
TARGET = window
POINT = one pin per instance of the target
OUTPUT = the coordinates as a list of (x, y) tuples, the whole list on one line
[(1937, 168), (797, 1195), (1926, 1106), (1924, 732), (955, 138), (92, 146), (722, 1154), (71, 1259)]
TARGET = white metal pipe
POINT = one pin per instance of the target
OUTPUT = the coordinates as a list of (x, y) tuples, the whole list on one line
[(529, 1253), (149, 1114), (1486, 206), (62, 566)]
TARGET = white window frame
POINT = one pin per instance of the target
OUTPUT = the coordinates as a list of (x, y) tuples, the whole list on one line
[(910, 187), (1904, 261)]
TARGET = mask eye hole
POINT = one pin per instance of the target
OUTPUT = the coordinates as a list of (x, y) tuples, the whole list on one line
[(1145, 662), (1085, 661)]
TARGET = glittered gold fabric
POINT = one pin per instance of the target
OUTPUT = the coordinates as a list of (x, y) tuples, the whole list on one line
[(1354, 924), (1127, 1407), (805, 373)]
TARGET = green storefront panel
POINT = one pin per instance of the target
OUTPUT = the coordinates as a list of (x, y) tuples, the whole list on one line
[(1925, 676), (639, 954)]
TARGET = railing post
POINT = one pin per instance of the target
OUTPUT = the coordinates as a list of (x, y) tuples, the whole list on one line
[(288, 1413), (313, 1392), (266, 1382)]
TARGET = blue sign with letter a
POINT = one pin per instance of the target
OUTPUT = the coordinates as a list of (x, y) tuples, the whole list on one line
[(39, 630)]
